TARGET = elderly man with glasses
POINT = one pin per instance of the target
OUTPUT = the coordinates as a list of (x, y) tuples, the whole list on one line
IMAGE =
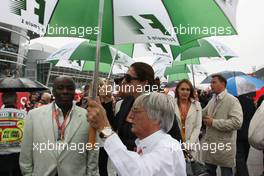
[(152, 116)]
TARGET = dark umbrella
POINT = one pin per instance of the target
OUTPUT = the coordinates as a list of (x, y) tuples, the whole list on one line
[(20, 85), (226, 74)]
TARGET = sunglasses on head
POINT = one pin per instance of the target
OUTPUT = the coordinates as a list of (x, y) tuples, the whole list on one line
[(128, 78)]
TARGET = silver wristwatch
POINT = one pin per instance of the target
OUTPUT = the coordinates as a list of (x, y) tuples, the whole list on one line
[(106, 132)]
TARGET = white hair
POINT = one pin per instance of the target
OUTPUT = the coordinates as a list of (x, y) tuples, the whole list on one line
[(159, 107)]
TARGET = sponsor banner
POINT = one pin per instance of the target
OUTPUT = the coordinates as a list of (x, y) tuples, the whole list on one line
[(32, 15), (11, 127)]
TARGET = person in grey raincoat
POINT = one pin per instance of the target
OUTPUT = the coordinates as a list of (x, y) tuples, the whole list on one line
[(222, 116)]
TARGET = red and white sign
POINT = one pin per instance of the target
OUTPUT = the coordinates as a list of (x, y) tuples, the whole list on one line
[(22, 99)]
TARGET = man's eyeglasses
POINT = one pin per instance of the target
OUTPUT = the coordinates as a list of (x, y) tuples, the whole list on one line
[(128, 78)]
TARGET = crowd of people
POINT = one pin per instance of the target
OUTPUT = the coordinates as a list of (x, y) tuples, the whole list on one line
[(142, 129)]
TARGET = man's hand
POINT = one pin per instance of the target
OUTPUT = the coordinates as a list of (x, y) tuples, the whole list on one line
[(208, 121), (96, 115), (104, 92)]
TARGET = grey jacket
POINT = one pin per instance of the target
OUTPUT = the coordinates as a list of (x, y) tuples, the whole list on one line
[(39, 134), (221, 137)]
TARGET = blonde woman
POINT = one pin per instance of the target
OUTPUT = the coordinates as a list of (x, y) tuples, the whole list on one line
[(189, 114)]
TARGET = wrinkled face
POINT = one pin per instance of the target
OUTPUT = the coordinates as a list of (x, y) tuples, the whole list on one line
[(63, 91), (131, 83), (142, 125), (217, 86), (46, 98), (184, 91)]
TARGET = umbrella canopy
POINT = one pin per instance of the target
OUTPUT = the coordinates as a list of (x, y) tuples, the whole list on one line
[(188, 61), (243, 84), (79, 55), (103, 68), (207, 48), (20, 85), (226, 74), (167, 21), (178, 77), (82, 65), (186, 54), (183, 68), (85, 51)]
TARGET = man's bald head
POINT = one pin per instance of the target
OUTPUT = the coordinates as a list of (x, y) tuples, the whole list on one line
[(62, 78), (46, 97)]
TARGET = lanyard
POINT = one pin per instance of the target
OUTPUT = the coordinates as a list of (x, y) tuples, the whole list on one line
[(61, 127)]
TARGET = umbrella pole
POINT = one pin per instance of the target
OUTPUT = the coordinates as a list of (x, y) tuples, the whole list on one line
[(92, 131), (193, 75), (112, 65)]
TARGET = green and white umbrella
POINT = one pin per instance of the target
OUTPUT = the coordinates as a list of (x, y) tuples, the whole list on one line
[(188, 62), (81, 65), (80, 55), (85, 51), (136, 21), (89, 66), (181, 68), (177, 77), (207, 48), (177, 72)]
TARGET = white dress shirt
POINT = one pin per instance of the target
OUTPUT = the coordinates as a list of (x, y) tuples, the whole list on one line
[(161, 155)]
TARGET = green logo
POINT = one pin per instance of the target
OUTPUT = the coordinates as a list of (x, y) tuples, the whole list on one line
[(79, 63), (156, 24), (134, 24), (137, 27), (158, 45), (41, 11), (161, 46), (16, 6), (76, 63)]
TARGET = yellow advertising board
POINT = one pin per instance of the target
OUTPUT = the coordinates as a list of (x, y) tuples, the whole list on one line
[(11, 127)]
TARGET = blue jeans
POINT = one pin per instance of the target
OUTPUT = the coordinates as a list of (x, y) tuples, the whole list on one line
[(225, 171)]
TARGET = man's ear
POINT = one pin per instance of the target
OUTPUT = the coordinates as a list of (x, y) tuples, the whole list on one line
[(156, 122)]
